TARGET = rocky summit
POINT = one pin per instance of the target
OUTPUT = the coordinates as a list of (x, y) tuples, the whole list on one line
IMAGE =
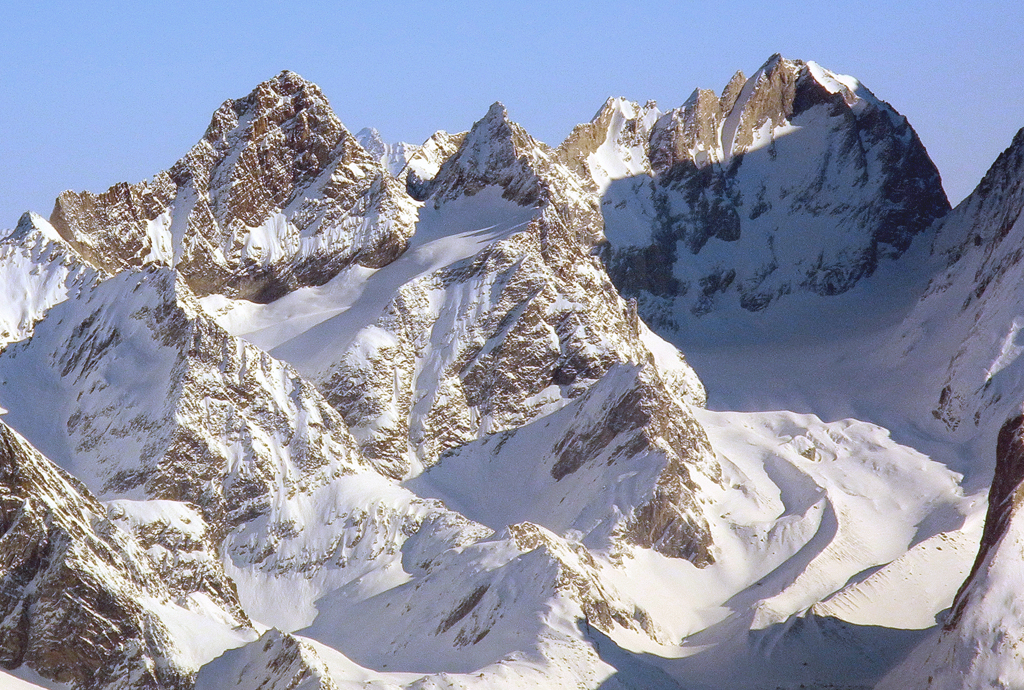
[(723, 395)]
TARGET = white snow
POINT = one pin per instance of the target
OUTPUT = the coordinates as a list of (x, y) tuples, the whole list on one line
[(176, 515), (333, 315), (37, 270), (985, 647), (614, 159), (24, 678)]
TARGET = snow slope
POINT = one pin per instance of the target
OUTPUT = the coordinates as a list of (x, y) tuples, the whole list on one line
[(980, 642)]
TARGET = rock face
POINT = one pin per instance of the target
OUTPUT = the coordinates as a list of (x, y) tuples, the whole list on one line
[(613, 145), (795, 180), (277, 194), (79, 601)]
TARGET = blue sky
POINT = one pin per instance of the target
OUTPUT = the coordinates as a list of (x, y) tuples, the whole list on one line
[(93, 94)]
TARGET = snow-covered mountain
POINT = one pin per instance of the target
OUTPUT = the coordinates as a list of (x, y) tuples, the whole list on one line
[(314, 410), (793, 181)]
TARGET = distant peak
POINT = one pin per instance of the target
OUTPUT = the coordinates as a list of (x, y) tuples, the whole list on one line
[(698, 96), (617, 104), (370, 138), (777, 62), (496, 151), (33, 222), (497, 111), (494, 126), (28, 221)]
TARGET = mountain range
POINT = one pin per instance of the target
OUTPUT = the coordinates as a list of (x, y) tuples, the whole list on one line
[(723, 396)]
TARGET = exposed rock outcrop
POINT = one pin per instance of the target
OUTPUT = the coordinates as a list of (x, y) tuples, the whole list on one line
[(79, 602), (277, 195)]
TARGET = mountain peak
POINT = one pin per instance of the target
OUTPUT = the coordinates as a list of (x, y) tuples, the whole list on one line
[(617, 104), (497, 111), (31, 222), (613, 144), (711, 158), (273, 102), (371, 140), (289, 83), (498, 152), (775, 61)]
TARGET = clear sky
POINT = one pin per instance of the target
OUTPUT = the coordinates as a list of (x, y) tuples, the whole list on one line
[(101, 92)]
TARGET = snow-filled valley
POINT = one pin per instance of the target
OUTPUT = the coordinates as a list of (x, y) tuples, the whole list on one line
[(724, 396)]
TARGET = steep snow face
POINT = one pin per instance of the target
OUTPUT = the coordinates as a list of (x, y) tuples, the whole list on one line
[(965, 332), (37, 270), (183, 550), (982, 639), (613, 145), (276, 195), (81, 602), (793, 181)]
